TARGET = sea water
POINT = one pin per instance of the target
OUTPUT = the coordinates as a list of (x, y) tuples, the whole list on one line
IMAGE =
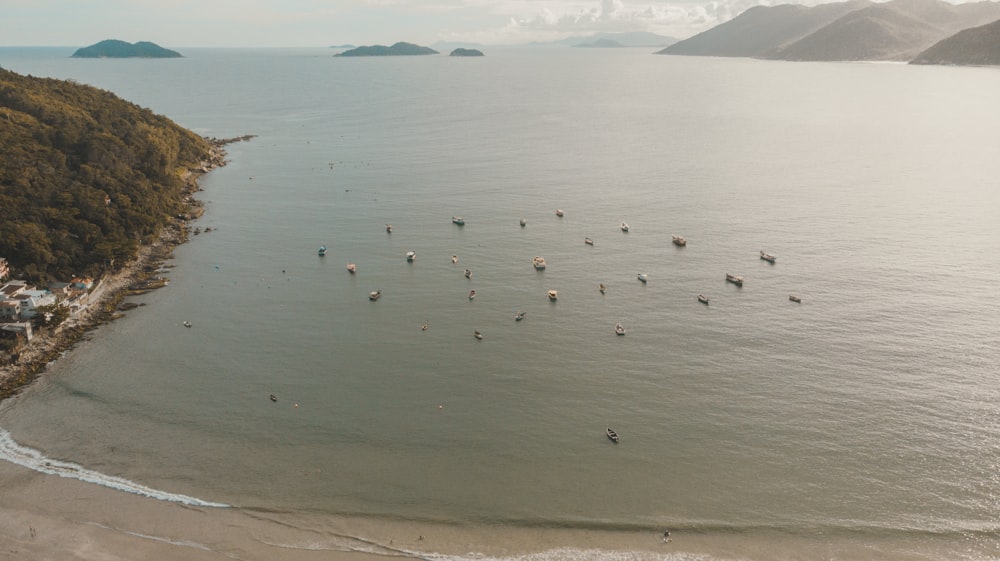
[(867, 414)]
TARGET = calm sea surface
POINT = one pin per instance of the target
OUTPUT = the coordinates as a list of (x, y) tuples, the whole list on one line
[(868, 412)]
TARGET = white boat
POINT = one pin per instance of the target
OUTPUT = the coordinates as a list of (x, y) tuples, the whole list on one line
[(478, 335), (388, 228), (735, 279), (679, 241), (553, 295), (523, 222), (454, 259), (538, 262), (374, 295), (352, 268), (518, 316), (624, 226), (458, 220), (768, 257), (602, 288), (612, 435), (187, 324), (588, 241), (559, 212), (619, 330), (322, 250), (794, 298), (472, 294), (411, 255), (703, 299), (643, 277)]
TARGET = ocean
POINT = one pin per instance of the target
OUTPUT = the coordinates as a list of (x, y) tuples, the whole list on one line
[(860, 423)]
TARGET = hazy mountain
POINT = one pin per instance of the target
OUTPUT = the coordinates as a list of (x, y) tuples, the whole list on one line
[(398, 49), (624, 39), (113, 48), (601, 44), (854, 30), (976, 46)]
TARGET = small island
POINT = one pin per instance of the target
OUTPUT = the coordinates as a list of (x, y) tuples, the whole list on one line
[(466, 52), (113, 48), (398, 49)]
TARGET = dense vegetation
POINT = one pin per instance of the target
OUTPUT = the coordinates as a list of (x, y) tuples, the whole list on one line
[(85, 176), (113, 48), (398, 49)]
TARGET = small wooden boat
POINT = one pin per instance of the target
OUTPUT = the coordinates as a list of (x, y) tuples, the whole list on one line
[(187, 324), (274, 397), (703, 299), (624, 227), (794, 298), (411, 255), (352, 268), (613, 436), (518, 316), (454, 259), (768, 257), (619, 329), (375, 295), (679, 241), (321, 251), (553, 295), (388, 228), (559, 212), (478, 335), (602, 288), (472, 294), (523, 222), (468, 274), (538, 262), (735, 279), (424, 327), (643, 277), (458, 220), (588, 241)]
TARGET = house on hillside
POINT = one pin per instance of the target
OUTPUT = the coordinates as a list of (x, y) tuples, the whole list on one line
[(4, 268), (10, 310), (32, 299), (83, 283)]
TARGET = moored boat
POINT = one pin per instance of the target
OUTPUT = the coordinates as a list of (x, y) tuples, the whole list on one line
[(321, 251), (454, 259), (679, 241), (468, 274), (588, 241), (735, 279), (472, 294), (458, 220), (559, 212), (794, 298), (187, 324), (352, 267), (374, 295), (768, 257), (643, 277), (612, 435), (602, 288), (553, 295), (625, 227), (703, 299), (388, 228), (411, 255), (619, 329), (518, 316), (538, 262), (523, 222), (478, 335)]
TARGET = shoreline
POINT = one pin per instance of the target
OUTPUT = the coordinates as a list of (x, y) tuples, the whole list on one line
[(113, 287)]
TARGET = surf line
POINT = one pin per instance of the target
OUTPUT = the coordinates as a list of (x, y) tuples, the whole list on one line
[(32, 459)]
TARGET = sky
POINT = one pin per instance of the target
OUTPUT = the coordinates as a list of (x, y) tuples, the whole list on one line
[(323, 23)]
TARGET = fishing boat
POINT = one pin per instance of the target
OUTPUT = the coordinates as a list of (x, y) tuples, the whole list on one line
[(624, 227), (643, 277), (553, 295), (411, 255), (794, 298), (735, 279), (458, 220), (619, 329), (588, 241), (679, 241), (321, 251), (703, 299), (538, 262), (612, 435), (478, 335), (559, 212), (602, 288), (468, 274), (768, 257), (352, 268), (472, 294), (518, 316), (374, 295)]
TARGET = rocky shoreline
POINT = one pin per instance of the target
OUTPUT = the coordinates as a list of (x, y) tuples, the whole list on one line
[(139, 275)]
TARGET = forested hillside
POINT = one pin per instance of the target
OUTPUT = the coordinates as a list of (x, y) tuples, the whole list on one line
[(85, 177)]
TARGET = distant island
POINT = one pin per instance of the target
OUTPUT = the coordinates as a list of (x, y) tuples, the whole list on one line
[(399, 49), (113, 48), (621, 39), (466, 52), (979, 46), (856, 30), (601, 44)]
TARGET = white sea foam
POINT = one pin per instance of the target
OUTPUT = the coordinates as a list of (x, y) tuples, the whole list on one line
[(32, 459)]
